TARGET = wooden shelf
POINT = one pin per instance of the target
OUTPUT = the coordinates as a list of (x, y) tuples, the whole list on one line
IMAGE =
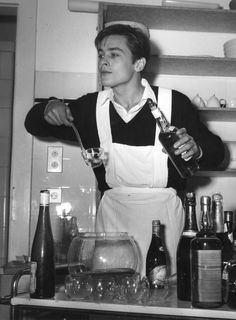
[(191, 65), (230, 173), (170, 18), (218, 114)]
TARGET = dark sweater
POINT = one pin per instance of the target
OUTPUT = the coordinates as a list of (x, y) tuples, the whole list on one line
[(140, 131)]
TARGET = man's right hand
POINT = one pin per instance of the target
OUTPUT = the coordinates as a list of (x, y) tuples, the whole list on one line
[(57, 113)]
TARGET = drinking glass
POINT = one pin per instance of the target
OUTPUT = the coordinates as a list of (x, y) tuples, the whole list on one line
[(103, 288), (79, 287), (93, 157)]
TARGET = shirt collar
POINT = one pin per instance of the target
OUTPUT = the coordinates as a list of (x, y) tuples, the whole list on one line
[(148, 93)]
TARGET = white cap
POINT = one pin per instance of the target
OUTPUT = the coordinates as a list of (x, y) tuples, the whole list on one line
[(132, 24), (44, 197)]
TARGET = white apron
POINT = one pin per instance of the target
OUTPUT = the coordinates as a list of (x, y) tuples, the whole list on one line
[(138, 176)]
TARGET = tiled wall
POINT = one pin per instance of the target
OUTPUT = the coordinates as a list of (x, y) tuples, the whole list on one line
[(6, 91)]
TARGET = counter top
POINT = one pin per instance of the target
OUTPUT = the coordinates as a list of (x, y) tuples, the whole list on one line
[(169, 306)]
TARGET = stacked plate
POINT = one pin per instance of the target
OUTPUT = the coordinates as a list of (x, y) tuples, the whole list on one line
[(230, 48)]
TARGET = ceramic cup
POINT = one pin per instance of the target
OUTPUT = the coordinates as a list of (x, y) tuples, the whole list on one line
[(232, 103), (213, 102), (198, 101)]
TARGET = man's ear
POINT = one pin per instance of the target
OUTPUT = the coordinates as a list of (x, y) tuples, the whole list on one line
[(140, 64)]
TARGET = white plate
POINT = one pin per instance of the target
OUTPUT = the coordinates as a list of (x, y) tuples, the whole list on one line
[(190, 4)]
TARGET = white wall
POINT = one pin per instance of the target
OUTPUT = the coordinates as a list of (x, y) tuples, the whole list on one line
[(65, 68)]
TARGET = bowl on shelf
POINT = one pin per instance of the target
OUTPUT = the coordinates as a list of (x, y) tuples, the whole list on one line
[(230, 48)]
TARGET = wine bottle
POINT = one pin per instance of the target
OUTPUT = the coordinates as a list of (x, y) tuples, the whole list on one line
[(73, 231), (206, 250), (168, 137), (42, 252), (219, 228), (183, 249), (231, 278), (228, 220), (156, 268)]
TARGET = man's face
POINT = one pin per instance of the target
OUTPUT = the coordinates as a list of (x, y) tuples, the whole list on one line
[(115, 61)]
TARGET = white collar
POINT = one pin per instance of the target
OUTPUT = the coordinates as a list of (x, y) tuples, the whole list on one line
[(108, 94)]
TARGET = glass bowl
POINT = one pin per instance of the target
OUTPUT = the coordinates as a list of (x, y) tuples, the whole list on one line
[(92, 253)]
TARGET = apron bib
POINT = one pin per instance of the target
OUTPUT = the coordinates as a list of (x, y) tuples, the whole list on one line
[(139, 194)]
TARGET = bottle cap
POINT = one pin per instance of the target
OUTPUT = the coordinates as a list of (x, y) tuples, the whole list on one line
[(228, 216), (205, 200), (156, 222), (44, 197), (190, 197), (217, 197)]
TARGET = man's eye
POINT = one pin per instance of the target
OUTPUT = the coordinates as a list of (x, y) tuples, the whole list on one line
[(114, 55), (100, 56)]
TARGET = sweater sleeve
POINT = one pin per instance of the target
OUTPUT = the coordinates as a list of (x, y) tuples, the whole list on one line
[(82, 110)]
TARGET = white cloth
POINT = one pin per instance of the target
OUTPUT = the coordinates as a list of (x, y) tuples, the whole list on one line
[(138, 193)]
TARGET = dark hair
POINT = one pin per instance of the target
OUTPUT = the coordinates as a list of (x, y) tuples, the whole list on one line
[(137, 41)]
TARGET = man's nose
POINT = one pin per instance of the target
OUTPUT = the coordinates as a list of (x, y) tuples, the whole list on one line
[(104, 61)]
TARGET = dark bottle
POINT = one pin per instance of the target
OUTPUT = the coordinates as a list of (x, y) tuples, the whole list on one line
[(168, 137), (183, 249), (156, 268), (219, 228), (229, 223), (42, 251), (73, 229), (231, 270), (206, 275)]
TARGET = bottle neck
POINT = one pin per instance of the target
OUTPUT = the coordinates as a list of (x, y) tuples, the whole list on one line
[(156, 231), (161, 120), (218, 219), (190, 225), (206, 219)]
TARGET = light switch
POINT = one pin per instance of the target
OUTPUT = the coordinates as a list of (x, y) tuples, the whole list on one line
[(54, 159)]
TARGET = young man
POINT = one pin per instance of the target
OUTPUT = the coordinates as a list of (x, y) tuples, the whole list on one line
[(138, 183)]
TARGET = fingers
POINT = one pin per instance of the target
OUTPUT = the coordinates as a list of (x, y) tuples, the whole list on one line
[(57, 113), (186, 146)]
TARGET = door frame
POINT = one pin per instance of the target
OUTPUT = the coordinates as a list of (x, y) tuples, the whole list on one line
[(21, 159)]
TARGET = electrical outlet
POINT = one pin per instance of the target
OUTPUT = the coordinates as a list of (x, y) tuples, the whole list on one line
[(55, 195), (54, 159)]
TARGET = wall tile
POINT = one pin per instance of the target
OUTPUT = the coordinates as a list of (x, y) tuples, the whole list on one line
[(5, 147), (6, 91), (5, 122), (6, 65), (4, 207), (4, 181), (69, 85)]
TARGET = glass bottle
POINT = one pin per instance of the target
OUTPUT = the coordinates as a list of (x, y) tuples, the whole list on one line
[(206, 250), (168, 137), (183, 249), (156, 268), (228, 220), (73, 232), (231, 278), (219, 228), (42, 251)]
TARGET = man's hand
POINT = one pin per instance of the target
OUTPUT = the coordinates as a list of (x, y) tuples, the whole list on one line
[(186, 146), (57, 113)]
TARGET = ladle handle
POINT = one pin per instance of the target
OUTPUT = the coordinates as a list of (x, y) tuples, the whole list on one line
[(77, 136)]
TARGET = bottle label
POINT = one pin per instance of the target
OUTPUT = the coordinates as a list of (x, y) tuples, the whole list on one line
[(207, 286), (156, 113), (189, 233), (33, 269), (157, 276)]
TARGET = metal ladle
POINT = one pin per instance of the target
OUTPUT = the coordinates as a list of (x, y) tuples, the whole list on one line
[(78, 136)]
